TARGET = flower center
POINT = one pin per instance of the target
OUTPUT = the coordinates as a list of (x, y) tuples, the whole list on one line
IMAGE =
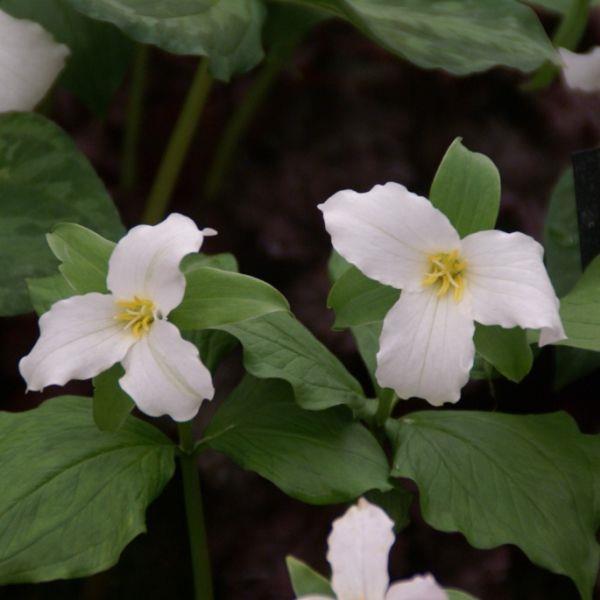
[(447, 270), (138, 314)]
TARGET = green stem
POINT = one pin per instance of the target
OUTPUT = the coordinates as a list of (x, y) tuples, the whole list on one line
[(178, 146), (387, 401), (568, 35), (240, 120), (135, 109), (195, 514)]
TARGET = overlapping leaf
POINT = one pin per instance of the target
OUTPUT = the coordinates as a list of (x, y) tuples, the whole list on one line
[(44, 180), (505, 479), (72, 496)]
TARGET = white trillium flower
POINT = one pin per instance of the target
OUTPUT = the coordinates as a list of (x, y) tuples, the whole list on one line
[(581, 71), (494, 278), (30, 61), (82, 336), (359, 545)]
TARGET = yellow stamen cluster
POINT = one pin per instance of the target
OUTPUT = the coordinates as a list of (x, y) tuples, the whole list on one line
[(447, 270), (138, 314)]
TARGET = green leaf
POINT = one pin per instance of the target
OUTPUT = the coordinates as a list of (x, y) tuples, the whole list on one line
[(580, 310), (466, 188), (396, 503), (319, 458), (561, 237), (278, 346), (224, 261), (45, 291), (358, 300), (72, 496), (460, 37), (100, 53), (111, 405), (459, 595), (228, 33), (572, 364), (505, 479), (213, 345), (305, 581), (84, 256), (214, 297), (44, 180), (506, 349)]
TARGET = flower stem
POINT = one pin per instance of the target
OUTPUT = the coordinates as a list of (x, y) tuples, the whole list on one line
[(139, 77), (568, 35), (195, 514), (387, 401), (241, 119), (178, 146)]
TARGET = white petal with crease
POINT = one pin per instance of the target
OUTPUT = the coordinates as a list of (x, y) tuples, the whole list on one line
[(388, 233), (145, 263), (79, 339), (509, 285), (359, 544), (581, 71), (426, 347), (421, 587), (164, 374), (30, 61)]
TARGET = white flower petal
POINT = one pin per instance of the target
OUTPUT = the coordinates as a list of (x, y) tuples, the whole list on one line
[(581, 71), (30, 61), (145, 263), (359, 544), (509, 285), (164, 374), (388, 233), (420, 587), (426, 347), (79, 338)]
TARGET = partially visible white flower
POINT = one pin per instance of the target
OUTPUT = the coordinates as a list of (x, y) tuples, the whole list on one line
[(30, 61), (82, 336), (581, 71), (359, 545), (494, 278)]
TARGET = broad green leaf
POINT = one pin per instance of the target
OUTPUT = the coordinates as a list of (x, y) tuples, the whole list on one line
[(461, 37), (111, 405), (590, 445), (277, 345), (45, 291), (72, 496), (506, 349), (224, 261), (459, 595), (466, 188), (358, 300), (306, 581), (44, 180), (572, 364), (83, 255), (580, 310), (317, 457), (396, 503), (228, 33), (214, 297), (100, 53), (505, 479), (561, 237), (213, 345)]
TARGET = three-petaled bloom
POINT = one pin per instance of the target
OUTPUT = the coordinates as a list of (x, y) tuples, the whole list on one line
[(494, 278), (359, 545), (82, 336), (30, 61)]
